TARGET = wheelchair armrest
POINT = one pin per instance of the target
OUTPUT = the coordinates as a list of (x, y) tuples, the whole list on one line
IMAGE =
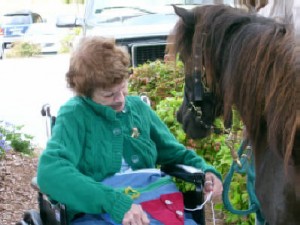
[(186, 173)]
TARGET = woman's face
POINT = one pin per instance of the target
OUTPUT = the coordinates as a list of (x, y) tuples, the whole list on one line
[(113, 97)]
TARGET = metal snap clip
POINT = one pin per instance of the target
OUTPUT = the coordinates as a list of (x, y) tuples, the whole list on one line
[(168, 202), (179, 213)]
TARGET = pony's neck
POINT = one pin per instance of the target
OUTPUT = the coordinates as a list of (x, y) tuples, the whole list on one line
[(297, 56)]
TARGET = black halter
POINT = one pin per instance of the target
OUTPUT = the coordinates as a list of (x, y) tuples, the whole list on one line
[(200, 100)]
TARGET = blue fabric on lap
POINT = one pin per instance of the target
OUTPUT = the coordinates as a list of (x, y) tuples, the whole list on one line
[(133, 179), (139, 180)]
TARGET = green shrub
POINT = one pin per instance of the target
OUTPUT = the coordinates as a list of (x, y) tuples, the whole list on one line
[(12, 137), (24, 49), (157, 80), (166, 110), (67, 41), (4, 146)]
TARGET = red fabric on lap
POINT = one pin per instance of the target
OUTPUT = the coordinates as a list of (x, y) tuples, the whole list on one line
[(168, 209)]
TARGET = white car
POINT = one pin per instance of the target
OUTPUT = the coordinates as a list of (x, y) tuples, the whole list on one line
[(45, 35)]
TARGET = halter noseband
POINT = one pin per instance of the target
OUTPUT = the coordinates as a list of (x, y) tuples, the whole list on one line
[(200, 99)]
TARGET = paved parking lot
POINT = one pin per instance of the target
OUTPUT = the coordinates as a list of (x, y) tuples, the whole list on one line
[(27, 84)]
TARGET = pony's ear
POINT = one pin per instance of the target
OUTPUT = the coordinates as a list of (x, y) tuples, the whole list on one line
[(188, 17), (254, 5)]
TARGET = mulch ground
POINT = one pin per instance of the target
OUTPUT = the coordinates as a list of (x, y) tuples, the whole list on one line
[(17, 196)]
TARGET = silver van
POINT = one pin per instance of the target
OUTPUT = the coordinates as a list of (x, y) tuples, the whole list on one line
[(142, 26)]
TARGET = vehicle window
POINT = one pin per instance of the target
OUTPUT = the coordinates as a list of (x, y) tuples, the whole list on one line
[(150, 19), (110, 10), (107, 11), (118, 14), (148, 5), (16, 19), (36, 18)]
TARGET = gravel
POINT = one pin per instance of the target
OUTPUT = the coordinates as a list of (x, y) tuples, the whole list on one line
[(16, 194)]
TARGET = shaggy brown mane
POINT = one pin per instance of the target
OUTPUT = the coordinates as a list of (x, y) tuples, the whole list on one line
[(249, 62)]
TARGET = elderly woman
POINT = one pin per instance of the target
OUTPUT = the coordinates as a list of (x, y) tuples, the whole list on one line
[(102, 131)]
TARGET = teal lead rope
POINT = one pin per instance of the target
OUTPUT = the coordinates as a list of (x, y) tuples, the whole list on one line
[(246, 167)]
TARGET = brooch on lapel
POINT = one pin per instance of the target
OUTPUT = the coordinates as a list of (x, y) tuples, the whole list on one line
[(135, 132)]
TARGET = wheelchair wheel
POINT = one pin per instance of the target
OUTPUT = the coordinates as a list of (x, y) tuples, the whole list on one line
[(31, 217)]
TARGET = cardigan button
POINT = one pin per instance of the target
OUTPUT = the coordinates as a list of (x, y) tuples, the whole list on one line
[(135, 158), (117, 131)]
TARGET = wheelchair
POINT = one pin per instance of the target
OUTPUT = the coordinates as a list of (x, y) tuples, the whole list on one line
[(54, 213)]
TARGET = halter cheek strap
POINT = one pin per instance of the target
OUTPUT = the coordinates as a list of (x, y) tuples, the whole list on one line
[(201, 98), (198, 87), (297, 97)]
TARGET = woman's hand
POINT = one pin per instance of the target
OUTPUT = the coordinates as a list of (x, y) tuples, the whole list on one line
[(135, 216), (214, 184)]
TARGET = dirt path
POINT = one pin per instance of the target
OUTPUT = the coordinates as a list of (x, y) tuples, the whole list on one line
[(16, 194)]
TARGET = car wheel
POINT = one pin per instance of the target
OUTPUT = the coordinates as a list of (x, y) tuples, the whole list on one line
[(1, 51)]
